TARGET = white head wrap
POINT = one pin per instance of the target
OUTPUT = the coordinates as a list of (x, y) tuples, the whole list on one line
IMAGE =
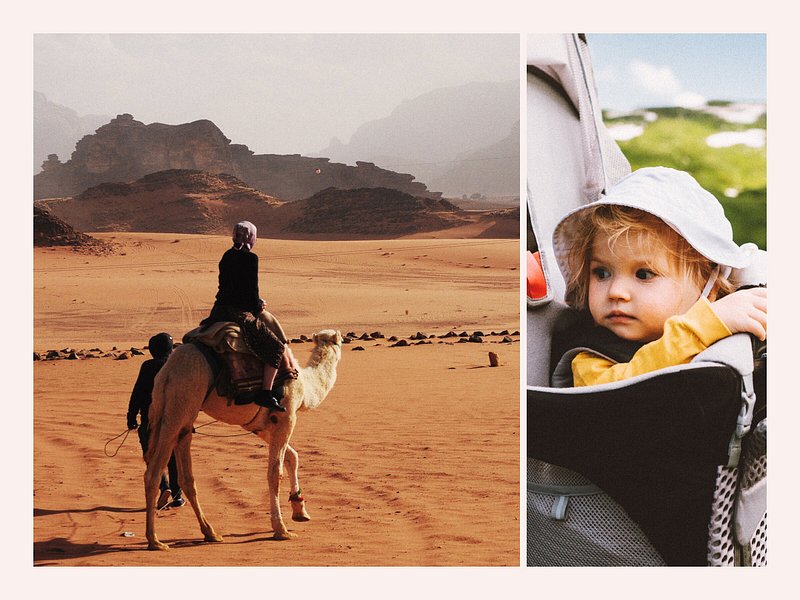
[(244, 235)]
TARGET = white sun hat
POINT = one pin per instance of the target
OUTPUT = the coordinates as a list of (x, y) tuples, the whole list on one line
[(676, 198)]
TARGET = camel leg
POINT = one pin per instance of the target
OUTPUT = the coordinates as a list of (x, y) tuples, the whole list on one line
[(183, 456), (278, 442), (298, 504), (152, 478)]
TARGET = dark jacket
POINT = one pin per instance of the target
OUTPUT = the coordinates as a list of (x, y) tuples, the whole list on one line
[(142, 394), (238, 281)]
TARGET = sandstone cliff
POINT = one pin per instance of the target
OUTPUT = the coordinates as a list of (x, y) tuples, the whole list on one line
[(370, 211), (177, 200), (191, 201), (125, 150)]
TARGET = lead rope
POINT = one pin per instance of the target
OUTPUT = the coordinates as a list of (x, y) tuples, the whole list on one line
[(105, 448), (217, 435)]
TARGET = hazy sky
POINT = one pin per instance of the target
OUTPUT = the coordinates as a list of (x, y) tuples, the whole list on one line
[(275, 93), (643, 70)]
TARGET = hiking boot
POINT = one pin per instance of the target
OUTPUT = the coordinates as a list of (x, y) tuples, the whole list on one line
[(163, 499), (267, 400), (177, 502)]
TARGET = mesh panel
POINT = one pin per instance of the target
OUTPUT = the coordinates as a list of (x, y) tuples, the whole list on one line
[(721, 546), (758, 544), (546, 474), (721, 540), (754, 469), (595, 532), (754, 452)]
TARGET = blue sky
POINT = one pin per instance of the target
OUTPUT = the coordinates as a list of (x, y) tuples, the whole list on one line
[(647, 70)]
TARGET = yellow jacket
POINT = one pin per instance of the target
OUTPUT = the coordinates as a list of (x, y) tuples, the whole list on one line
[(685, 336)]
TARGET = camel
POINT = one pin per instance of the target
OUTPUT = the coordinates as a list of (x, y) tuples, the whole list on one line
[(184, 387)]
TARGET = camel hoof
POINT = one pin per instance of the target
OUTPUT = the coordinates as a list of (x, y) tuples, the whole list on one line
[(157, 546), (301, 517), (213, 537), (286, 535)]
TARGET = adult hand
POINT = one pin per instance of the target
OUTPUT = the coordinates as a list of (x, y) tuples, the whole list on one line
[(744, 311)]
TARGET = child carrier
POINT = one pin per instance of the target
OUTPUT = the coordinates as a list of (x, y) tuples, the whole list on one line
[(667, 468)]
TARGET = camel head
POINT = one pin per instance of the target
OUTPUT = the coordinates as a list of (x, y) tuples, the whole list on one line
[(320, 374), (329, 338)]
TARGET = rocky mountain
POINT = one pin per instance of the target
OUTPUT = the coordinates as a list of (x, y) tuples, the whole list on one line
[(490, 171), (369, 211), (436, 132), (192, 201), (125, 150), (178, 200), (49, 230), (56, 129)]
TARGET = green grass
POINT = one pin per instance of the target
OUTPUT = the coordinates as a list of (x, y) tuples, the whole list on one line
[(677, 139)]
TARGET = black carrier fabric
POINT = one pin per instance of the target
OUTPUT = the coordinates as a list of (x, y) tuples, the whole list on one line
[(583, 333), (653, 446)]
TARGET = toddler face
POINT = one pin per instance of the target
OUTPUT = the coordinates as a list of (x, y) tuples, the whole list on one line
[(633, 288)]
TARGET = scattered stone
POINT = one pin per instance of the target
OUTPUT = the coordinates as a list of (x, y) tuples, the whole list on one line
[(351, 334), (296, 341), (124, 355), (366, 337), (506, 340), (37, 356), (392, 338), (463, 334), (358, 348), (399, 343), (377, 335), (52, 354), (494, 361), (305, 338), (72, 356), (136, 352), (475, 338), (478, 333), (449, 334), (504, 332)]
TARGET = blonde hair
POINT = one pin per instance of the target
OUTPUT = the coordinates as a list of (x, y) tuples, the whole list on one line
[(648, 232)]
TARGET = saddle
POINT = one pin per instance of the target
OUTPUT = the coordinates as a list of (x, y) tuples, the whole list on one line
[(236, 369)]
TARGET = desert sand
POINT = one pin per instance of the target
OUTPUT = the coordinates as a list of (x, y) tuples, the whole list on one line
[(413, 459)]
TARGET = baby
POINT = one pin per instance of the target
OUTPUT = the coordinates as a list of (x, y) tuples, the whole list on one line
[(651, 262)]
